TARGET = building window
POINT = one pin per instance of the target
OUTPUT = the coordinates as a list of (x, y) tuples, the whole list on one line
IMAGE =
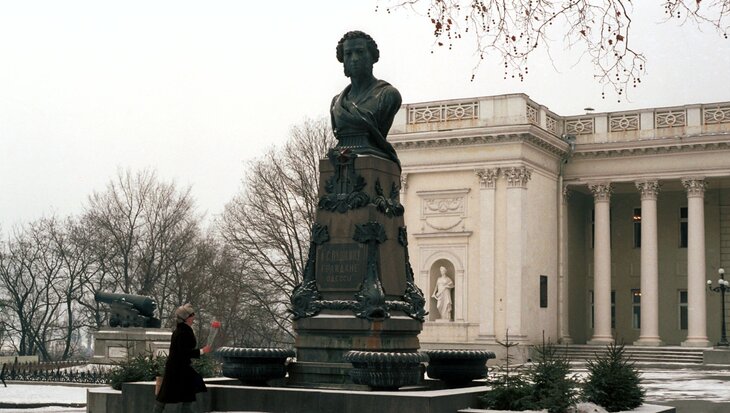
[(613, 309), (683, 309), (637, 227), (683, 227), (543, 291), (636, 309)]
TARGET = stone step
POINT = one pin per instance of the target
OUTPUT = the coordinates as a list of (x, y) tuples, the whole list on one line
[(637, 353)]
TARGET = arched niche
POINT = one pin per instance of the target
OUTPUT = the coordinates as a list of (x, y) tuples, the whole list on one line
[(428, 271), (434, 273)]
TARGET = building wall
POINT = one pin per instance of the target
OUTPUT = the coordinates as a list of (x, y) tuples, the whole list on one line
[(442, 216), (541, 257), (496, 252)]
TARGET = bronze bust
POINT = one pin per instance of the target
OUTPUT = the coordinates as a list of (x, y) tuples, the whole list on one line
[(363, 113)]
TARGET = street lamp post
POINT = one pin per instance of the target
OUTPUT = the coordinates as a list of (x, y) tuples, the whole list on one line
[(723, 286)]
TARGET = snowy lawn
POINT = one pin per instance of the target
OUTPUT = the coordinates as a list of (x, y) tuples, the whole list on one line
[(41, 394), (682, 384)]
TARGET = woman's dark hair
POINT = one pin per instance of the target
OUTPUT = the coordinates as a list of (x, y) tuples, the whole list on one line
[(356, 34)]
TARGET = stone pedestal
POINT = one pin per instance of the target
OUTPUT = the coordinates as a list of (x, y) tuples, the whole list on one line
[(358, 291), (323, 340), (113, 345)]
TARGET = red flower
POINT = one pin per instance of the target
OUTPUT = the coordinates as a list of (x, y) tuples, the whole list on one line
[(215, 324)]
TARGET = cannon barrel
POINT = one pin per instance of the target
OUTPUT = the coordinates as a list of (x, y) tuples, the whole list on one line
[(145, 305)]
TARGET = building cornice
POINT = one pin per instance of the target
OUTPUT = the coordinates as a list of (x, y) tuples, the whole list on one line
[(661, 146), (527, 133)]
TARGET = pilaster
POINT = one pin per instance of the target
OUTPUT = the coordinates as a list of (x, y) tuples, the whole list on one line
[(487, 217), (517, 179), (563, 281)]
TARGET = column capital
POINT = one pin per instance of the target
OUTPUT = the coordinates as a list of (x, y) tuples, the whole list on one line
[(601, 191), (517, 176), (487, 177), (695, 186), (649, 189), (567, 193)]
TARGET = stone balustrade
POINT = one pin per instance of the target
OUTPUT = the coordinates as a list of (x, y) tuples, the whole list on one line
[(591, 128)]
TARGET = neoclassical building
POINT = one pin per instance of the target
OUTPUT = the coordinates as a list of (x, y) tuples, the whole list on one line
[(587, 229)]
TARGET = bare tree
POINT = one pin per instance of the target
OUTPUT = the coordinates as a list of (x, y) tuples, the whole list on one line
[(70, 241), (268, 224), (31, 270), (513, 30), (144, 228)]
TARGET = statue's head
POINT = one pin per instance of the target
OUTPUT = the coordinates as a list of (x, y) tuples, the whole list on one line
[(443, 270), (372, 47)]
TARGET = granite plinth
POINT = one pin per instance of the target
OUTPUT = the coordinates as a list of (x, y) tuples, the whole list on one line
[(112, 345), (139, 397), (323, 340), (358, 291)]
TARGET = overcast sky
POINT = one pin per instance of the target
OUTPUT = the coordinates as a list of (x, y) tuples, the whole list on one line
[(197, 89)]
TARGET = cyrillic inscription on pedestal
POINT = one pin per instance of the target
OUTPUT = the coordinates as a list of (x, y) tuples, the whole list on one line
[(117, 352), (340, 266)]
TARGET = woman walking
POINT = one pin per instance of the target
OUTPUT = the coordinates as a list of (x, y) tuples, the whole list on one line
[(181, 382)]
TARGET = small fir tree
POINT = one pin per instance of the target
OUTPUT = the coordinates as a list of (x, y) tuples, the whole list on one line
[(553, 387), (613, 382), (508, 391)]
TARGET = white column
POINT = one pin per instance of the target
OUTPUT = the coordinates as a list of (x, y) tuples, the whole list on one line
[(696, 300), (517, 178), (601, 263), (649, 335), (563, 283), (487, 219)]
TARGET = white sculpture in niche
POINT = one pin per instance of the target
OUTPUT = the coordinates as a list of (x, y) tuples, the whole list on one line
[(442, 294)]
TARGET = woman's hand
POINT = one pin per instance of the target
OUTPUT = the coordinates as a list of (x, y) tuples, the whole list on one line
[(205, 350)]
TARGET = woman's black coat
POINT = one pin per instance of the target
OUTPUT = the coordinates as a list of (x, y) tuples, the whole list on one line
[(180, 382)]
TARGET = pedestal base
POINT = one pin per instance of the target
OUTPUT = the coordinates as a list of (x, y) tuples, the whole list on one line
[(696, 342), (113, 345), (600, 340), (565, 340), (649, 342), (323, 340)]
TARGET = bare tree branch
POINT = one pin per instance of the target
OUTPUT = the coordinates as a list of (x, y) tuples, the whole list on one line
[(513, 30)]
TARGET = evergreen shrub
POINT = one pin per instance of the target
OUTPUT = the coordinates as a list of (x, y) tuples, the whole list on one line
[(613, 382), (145, 367), (553, 387), (138, 368), (548, 384)]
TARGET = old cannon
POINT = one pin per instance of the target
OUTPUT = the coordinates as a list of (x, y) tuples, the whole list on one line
[(128, 310)]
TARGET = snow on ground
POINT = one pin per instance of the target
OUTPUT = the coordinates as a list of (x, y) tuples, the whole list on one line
[(40, 393), (683, 384), (661, 384), (51, 409), (686, 384)]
